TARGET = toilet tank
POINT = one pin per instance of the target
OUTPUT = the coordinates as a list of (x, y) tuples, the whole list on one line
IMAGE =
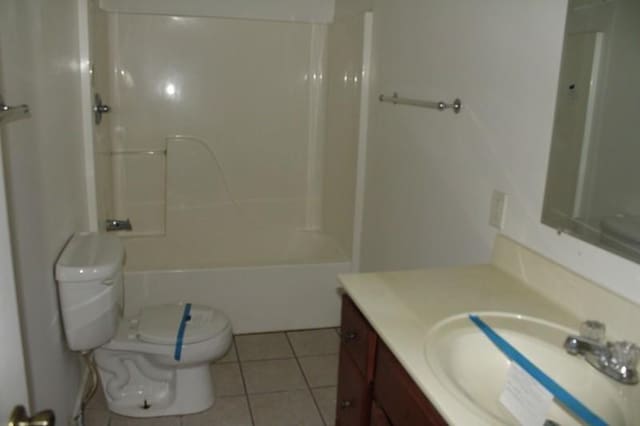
[(90, 287)]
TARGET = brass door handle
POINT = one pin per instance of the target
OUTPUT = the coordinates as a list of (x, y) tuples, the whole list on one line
[(19, 417)]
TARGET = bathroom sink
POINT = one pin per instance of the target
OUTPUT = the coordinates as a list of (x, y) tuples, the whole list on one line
[(473, 370)]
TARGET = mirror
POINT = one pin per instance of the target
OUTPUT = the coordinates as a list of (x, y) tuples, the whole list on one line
[(593, 181)]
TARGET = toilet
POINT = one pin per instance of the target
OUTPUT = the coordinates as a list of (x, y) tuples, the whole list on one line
[(153, 364)]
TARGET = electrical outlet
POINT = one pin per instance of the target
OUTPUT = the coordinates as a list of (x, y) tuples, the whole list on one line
[(498, 209)]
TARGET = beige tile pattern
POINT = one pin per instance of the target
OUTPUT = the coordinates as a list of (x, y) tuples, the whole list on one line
[(227, 379), (320, 370), (278, 391), (314, 342), (98, 402), (254, 347), (227, 411), (96, 417), (117, 420), (293, 408), (230, 356), (326, 400), (272, 376)]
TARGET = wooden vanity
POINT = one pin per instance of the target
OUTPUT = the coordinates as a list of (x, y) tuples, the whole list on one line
[(389, 318), (373, 388)]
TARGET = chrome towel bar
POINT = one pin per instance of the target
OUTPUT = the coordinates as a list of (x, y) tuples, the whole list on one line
[(456, 106)]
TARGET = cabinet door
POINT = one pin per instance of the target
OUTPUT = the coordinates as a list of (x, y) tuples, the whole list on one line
[(354, 394), (398, 395), (358, 338), (378, 417)]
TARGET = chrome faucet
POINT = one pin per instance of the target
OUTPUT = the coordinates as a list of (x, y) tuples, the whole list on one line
[(617, 360)]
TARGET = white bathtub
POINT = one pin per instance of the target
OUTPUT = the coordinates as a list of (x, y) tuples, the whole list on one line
[(262, 298), (250, 262)]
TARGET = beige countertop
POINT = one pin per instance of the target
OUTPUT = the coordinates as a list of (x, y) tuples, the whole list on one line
[(403, 306)]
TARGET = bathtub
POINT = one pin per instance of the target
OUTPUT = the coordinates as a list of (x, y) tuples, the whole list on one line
[(256, 299), (265, 278)]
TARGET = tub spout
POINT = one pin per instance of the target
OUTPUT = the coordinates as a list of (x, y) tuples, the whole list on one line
[(119, 225)]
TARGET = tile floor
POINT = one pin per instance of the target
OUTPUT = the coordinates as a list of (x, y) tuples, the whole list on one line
[(268, 379)]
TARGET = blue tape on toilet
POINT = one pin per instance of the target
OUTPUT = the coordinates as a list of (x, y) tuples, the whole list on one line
[(559, 393), (186, 316)]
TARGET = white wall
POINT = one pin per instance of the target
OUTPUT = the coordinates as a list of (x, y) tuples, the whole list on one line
[(45, 180), (430, 174), (345, 8)]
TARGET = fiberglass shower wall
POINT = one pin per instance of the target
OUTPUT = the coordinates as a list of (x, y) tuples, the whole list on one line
[(222, 150)]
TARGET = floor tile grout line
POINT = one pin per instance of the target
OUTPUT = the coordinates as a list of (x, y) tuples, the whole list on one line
[(297, 330), (324, 387), (266, 359), (318, 355), (247, 361), (244, 383), (282, 358), (286, 334), (313, 397), (306, 387)]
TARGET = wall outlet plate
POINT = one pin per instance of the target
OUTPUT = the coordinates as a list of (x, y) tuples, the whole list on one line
[(498, 209)]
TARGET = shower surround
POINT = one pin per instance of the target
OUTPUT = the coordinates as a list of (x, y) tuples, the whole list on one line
[(233, 148)]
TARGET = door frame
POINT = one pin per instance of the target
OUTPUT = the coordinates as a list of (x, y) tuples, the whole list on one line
[(13, 374)]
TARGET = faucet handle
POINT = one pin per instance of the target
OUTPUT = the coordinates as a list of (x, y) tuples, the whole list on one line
[(624, 354), (593, 330)]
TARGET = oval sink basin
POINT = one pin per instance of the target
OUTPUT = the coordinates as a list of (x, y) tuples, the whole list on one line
[(474, 370)]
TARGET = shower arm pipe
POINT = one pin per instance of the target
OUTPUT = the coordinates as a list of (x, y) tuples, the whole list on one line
[(456, 106)]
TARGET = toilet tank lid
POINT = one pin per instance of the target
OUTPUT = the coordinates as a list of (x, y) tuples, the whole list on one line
[(88, 257)]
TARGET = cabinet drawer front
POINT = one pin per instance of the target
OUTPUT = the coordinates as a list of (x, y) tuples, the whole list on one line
[(358, 338), (354, 394), (395, 391)]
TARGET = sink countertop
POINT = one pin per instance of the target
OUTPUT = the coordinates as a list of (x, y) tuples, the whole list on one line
[(402, 306)]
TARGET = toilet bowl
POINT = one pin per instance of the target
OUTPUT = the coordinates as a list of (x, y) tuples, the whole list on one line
[(153, 364), (138, 368)]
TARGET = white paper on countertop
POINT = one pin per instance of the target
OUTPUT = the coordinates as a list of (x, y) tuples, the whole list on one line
[(525, 398)]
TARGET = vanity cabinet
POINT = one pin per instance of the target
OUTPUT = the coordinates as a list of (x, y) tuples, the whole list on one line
[(373, 388)]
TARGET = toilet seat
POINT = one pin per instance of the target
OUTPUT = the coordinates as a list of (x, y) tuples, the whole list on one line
[(159, 324), (211, 332)]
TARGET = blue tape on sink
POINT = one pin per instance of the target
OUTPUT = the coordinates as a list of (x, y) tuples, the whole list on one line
[(559, 393), (186, 316)]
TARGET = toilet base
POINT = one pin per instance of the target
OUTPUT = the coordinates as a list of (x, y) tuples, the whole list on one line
[(189, 390)]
